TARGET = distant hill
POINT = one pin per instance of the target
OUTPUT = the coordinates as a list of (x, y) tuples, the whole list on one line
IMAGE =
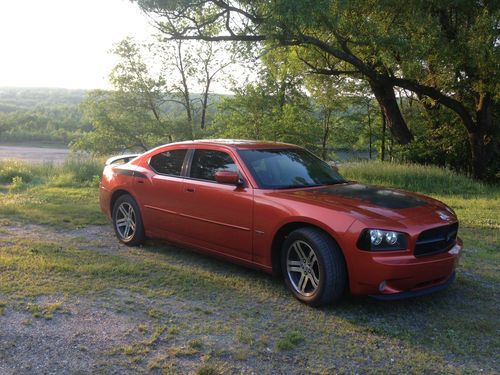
[(37, 115), (19, 98)]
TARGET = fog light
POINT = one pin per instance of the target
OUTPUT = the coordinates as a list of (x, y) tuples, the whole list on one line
[(382, 285), (376, 237)]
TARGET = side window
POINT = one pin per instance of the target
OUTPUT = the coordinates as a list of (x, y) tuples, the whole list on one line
[(168, 162), (206, 162)]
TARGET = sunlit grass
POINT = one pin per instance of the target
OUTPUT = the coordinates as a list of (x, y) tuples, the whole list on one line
[(425, 179), (64, 195), (197, 308)]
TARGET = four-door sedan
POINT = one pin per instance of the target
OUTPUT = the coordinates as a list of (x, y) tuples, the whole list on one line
[(279, 208)]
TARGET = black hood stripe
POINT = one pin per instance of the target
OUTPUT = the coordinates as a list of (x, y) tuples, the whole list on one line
[(386, 198)]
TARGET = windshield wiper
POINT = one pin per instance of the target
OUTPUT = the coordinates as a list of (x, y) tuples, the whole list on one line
[(338, 182), (296, 186)]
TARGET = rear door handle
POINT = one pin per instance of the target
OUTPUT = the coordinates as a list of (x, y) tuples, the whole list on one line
[(190, 190)]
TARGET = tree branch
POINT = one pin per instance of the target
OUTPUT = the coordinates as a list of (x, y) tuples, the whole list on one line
[(435, 94)]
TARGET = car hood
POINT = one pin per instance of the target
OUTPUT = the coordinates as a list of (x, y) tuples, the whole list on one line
[(365, 201)]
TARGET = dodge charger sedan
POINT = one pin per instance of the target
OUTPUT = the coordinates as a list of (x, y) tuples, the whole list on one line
[(278, 208)]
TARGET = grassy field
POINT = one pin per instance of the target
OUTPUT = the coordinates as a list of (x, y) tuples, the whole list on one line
[(163, 309)]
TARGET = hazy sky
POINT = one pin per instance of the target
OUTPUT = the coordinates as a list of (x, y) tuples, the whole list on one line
[(64, 43)]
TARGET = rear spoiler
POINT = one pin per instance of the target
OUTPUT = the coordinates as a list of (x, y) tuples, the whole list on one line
[(121, 158)]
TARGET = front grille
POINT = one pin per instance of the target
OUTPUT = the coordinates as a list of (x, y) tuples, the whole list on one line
[(436, 240)]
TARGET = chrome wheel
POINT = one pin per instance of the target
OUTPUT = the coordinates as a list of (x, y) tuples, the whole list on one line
[(302, 268), (125, 221)]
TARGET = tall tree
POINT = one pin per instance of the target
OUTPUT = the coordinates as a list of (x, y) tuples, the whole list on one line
[(129, 117), (446, 51), (275, 107)]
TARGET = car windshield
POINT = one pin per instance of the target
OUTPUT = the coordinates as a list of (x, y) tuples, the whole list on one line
[(288, 168)]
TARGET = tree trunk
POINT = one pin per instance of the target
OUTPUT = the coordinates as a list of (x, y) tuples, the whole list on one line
[(369, 130), (384, 93), (326, 134), (204, 103), (382, 148), (185, 91), (482, 136)]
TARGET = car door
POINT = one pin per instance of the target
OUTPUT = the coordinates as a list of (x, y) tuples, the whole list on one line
[(161, 193), (221, 216)]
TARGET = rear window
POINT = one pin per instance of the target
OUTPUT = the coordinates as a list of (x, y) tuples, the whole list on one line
[(168, 162)]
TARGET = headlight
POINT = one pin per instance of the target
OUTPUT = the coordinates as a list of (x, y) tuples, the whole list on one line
[(382, 240)]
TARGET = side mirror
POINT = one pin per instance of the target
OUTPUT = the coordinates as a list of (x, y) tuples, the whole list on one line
[(228, 177)]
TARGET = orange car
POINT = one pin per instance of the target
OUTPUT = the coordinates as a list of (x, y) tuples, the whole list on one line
[(279, 208)]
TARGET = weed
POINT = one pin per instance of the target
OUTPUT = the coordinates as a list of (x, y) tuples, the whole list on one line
[(290, 341), (208, 369), (196, 344), (45, 311)]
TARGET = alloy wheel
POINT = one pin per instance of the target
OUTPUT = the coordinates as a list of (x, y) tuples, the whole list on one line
[(303, 268), (125, 221)]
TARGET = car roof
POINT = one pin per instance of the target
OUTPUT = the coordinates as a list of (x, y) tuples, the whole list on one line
[(237, 143)]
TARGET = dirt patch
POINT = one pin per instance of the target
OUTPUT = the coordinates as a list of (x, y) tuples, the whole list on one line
[(72, 341)]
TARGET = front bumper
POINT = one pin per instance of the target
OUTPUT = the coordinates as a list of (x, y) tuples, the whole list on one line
[(415, 293), (390, 277)]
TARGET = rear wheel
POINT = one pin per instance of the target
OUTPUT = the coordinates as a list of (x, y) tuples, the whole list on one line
[(127, 221), (313, 267)]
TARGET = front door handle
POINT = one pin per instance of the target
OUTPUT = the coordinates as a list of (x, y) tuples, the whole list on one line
[(190, 190)]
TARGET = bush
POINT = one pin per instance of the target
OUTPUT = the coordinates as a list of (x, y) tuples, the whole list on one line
[(11, 169), (83, 171), (74, 172)]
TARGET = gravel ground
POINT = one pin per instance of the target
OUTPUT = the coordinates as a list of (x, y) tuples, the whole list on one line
[(71, 342), (74, 339), (121, 331)]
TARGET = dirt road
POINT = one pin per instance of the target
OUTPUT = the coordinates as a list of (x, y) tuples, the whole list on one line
[(34, 154)]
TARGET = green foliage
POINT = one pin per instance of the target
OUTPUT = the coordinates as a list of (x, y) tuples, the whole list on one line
[(444, 53), (130, 117), (54, 124), (274, 108), (74, 172), (148, 105), (14, 169)]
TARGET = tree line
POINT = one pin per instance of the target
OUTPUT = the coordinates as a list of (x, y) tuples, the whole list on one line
[(441, 54), (408, 81)]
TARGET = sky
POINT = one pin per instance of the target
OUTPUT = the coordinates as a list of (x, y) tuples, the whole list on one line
[(64, 43)]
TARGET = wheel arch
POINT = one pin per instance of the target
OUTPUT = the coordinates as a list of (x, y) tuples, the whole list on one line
[(117, 194), (281, 235)]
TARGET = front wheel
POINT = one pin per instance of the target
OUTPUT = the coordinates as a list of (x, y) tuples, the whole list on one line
[(127, 221), (313, 267)]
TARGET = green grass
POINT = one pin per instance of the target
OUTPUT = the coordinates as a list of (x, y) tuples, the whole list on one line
[(199, 315), (290, 341), (421, 178), (63, 195)]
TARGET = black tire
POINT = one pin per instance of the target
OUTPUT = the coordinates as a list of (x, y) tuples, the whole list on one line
[(326, 269), (124, 205)]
